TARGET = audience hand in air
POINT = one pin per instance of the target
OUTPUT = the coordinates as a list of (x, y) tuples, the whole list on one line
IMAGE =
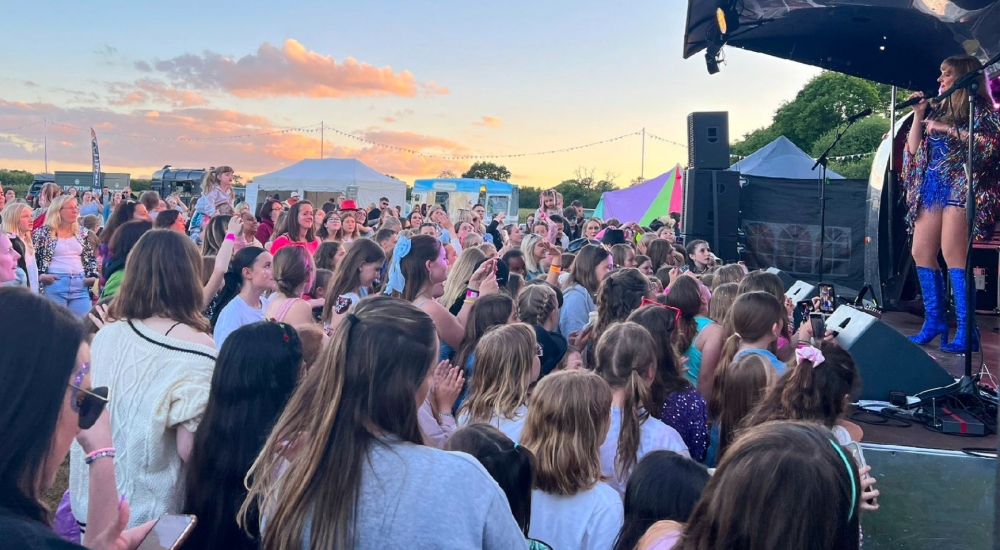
[(448, 382), (101, 319), (235, 226), (484, 279), (579, 340)]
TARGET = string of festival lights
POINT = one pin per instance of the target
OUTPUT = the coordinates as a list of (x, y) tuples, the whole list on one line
[(321, 127)]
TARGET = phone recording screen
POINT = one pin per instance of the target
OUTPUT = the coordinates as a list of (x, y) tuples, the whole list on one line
[(167, 533), (826, 298)]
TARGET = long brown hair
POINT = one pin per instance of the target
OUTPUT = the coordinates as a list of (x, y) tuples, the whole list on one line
[(955, 108), (782, 485), (584, 266), (770, 283), (347, 276), (685, 295), (162, 279), (659, 251), (503, 364), (751, 318), (535, 304), (659, 321), (625, 355), (293, 228), (619, 295), (486, 312), (423, 249), (568, 418), (815, 393), (736, 389), (362, 388)]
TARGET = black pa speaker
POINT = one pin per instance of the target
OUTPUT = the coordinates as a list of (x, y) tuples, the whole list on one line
[(711, 210), (886, 360), (708, 140), (786, 279)]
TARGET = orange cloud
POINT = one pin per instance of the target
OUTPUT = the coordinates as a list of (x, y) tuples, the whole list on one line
[(291, 71), (149, 90), (490, 122), (69, 143)]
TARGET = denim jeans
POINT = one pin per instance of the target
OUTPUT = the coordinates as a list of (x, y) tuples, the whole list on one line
[(68, 291)]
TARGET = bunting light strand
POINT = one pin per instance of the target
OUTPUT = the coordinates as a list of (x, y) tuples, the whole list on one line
[(671, 142), (301, 129), (5, 130)]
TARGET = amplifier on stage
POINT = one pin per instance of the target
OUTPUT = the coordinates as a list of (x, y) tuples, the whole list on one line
[(986, 275)]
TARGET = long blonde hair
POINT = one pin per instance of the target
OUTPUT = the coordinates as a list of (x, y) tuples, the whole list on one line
[(459, 275), (11, 218), (568, 418), (527, 246), (53, 217), (955, 108), (361, 389), (503, 364)]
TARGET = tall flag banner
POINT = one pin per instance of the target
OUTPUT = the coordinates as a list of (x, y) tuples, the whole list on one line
[(96, 160)]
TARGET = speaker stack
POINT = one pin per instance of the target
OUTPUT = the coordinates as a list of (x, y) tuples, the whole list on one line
[(711, 202)]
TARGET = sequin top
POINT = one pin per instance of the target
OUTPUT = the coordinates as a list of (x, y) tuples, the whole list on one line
[(936, 163), (685, 411)]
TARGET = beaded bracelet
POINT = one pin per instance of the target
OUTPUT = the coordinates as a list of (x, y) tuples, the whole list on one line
[(110, 453)]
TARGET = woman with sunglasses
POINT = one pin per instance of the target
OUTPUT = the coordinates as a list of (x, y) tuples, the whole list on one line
[(45, 402), (158, 360)]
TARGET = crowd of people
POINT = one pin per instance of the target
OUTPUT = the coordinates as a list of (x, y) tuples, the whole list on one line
[(328, 376)]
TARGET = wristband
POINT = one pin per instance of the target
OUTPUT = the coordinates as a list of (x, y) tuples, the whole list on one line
[(447, 415), (555, 268), (101, 453), (230, 237), (469, 301)]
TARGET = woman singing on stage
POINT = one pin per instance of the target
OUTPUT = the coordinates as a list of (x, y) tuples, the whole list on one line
[(936, 187)]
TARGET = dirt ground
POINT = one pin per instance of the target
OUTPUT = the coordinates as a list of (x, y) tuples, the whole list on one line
[(55, 494)]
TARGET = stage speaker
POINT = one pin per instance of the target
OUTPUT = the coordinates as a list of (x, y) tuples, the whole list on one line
[(886, 360), (711, 210), (786, 279), (708, 141)]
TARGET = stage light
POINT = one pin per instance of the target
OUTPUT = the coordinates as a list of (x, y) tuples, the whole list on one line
[(727, 18), (711, 62)]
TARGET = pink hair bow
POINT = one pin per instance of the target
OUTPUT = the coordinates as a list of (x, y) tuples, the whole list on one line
[(809, 353)]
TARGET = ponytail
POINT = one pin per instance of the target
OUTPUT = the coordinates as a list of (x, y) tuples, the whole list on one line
[(729, 349), (633, 414), (233, 280)]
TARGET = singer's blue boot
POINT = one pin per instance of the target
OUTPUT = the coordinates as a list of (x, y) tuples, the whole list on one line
[(935, 324), (966, 319)]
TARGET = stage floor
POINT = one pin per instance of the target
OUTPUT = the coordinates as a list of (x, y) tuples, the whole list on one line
[(916, 435)]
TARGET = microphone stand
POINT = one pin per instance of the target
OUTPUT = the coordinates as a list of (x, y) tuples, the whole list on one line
[(822, 162), (969, 81)]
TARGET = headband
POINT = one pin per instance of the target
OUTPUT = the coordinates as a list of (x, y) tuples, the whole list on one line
[(396, 280), (850, 474)]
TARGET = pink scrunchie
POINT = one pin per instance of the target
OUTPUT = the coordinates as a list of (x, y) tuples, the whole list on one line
[(809, 353)]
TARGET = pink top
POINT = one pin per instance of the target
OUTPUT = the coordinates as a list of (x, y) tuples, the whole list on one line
[(284, 241), (283, 310)]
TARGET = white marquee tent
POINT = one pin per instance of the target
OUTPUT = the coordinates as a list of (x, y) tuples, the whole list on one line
[(319, 180)]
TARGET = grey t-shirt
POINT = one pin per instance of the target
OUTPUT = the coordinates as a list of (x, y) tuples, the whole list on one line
[(414, 496)]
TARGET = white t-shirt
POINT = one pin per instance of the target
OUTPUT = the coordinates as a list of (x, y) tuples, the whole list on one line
[(653, 435), (66, 257), (236, 314), (588, 520), (511, 427)]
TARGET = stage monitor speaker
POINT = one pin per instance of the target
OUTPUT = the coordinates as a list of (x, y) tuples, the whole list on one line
[(710, 210), (708, 141), (887, 361), (786, 279)]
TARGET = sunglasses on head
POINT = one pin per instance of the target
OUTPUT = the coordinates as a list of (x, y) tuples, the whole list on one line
[(677, 312), (87, 403)]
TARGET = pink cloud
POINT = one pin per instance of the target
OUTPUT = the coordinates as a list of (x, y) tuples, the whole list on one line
[(291, 71), (490, 122), (69, 143)]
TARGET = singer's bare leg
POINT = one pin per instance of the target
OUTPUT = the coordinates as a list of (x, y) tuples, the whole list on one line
[(954, 236), (927, 238)]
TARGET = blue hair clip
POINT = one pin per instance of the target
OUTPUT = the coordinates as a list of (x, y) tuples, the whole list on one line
[(850, 474), (396, 281)]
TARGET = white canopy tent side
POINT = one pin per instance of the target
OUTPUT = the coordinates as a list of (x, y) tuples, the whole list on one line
[(319, 180)]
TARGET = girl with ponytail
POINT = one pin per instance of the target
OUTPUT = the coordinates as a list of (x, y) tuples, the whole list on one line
[(626, 360), (753, 325), (696, 338), (240, 301)]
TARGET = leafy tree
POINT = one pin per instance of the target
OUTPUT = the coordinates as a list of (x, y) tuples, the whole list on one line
[(820, 106), (488, 171), (528, 197), (861, 138), (447, 174), (16, 178)]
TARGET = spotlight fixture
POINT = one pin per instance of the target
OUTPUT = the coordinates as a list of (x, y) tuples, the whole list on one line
[(728, 18), (712, 62)]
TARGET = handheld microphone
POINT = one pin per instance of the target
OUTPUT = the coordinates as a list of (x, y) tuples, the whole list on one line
[(914, 101), (862, 114)]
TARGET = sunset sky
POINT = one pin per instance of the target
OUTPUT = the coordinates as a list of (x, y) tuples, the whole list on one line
[(440, 77)]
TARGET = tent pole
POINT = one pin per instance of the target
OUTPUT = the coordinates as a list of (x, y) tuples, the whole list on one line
[(891, 195)]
